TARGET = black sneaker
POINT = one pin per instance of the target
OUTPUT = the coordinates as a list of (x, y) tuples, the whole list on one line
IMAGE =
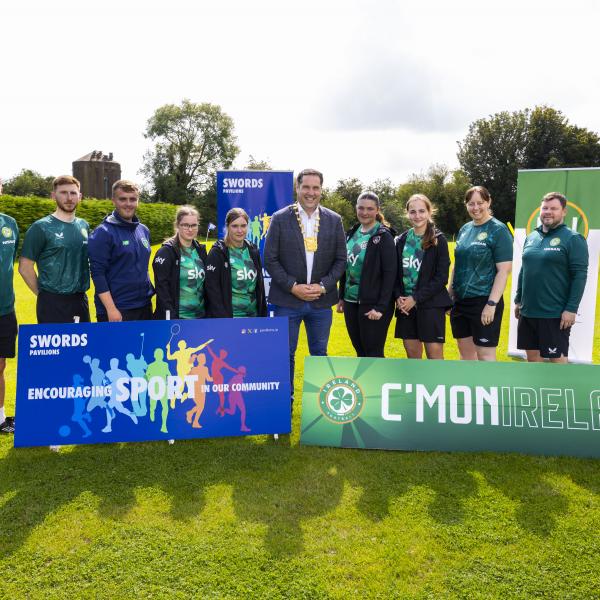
[(7, 427)]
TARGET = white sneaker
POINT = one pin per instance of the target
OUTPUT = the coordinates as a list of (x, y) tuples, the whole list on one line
[(55, 448)]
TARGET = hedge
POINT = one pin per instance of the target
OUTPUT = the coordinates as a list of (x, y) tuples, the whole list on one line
[(157, 217)]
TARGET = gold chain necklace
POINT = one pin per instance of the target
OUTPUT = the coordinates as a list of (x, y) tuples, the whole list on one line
[(310, 243)]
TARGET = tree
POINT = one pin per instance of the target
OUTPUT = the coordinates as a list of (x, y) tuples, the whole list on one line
[(258, 165), (28, 183), (497, 147), (191, 142), (446, 190), (349, 189)]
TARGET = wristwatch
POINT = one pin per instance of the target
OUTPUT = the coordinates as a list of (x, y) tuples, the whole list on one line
[(323, 290), (491, 303)]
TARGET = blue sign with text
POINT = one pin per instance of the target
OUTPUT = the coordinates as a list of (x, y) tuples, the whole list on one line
[(90, 383), (259, 193)]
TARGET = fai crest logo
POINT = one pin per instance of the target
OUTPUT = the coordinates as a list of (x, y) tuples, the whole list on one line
[(145, 243), (84, 232), (341, 400), (7, 232), (482, 236), (555, 242)]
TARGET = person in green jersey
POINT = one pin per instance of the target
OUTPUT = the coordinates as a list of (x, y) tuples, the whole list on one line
[(9, 241), (234, 277), (58, 246), (420, 290), (551, 284), (180, 270), (482, 263), (368, 281)]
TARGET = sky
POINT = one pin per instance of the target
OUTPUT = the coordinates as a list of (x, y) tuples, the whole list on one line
[(373, 90)]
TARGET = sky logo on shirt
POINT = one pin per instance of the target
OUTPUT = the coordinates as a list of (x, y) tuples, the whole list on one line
[(352, 258), (246, 274), (195, 273), (411, 262)]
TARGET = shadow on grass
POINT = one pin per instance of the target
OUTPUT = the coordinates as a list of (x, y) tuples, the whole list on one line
[(271, 483), (274, 484)]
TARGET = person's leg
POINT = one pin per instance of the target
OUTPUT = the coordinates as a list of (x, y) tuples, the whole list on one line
[(434, 351), (414, 348), (294, 317), (460, 321), (487, 336), (351, 318), (432, 331), (534, 356), (8, 340), (553, 341), (318, 325), (467, 349), (374, 333), (2, 389)]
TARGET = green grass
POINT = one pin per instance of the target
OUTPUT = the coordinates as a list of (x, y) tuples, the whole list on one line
[(250, 517)]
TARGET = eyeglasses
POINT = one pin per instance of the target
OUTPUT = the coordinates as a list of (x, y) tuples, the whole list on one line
[(188, 226)]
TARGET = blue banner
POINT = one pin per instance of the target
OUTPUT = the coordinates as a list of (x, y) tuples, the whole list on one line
[(259, 193), (90, 383)]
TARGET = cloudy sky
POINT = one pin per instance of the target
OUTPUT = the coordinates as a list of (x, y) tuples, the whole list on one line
[(367, 89)]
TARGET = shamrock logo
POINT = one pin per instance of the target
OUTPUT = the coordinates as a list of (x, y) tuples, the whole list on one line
[(341, 400)]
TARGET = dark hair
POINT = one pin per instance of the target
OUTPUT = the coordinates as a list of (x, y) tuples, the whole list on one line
[(183, 211), (555, 196), (304, 172), (483, 192), (429, 237), (230, 217), (368, 195)]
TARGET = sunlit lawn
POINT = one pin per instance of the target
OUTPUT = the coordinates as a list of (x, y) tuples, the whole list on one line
[(250, 517)]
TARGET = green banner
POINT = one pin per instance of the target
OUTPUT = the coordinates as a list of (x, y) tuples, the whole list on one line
[(580, 186), (582, 189), (401, 404)]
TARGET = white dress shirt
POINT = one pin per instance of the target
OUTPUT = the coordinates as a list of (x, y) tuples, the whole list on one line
[(309, 224)]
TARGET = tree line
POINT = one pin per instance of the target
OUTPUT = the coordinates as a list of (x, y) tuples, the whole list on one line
[(190, 142)]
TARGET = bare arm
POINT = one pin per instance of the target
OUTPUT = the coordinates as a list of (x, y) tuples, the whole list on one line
[(27, 272), (502, 272)]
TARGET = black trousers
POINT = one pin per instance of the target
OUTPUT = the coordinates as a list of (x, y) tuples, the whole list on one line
[(367, 336), (144, 313), (62, 308)]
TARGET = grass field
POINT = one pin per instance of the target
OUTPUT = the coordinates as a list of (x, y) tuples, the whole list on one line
[(250, 517)]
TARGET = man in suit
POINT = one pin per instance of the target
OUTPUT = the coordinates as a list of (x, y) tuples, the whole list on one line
[(305, 254)]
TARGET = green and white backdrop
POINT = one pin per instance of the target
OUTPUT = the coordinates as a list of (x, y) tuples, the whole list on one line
[(582, 189)]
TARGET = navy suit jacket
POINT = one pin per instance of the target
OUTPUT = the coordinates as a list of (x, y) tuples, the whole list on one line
[(285, 257)]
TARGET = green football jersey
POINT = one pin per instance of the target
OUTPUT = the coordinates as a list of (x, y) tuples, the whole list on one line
[(553, 273), (356, 248), (9, 241), (412, 257), (478, 249), (60, 251), (243, 282), (191, 284)]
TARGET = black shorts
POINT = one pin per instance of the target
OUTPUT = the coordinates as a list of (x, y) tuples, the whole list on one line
[(544, 335), (62, 308), (143, 313), (465, 320), (427, 325), (8, 335)]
